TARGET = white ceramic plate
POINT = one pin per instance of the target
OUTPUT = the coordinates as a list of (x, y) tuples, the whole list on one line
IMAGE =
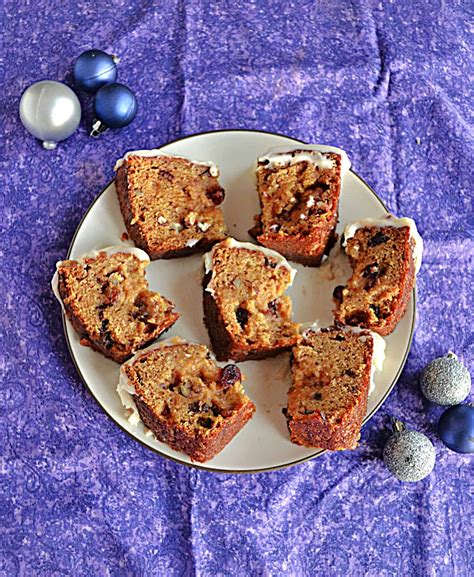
[(264, 443)]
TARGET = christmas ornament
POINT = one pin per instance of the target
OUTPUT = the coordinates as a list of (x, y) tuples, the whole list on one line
[(408, 455), (95, 68), (456, 428), (50, 111), (115, 106), (445, 381)]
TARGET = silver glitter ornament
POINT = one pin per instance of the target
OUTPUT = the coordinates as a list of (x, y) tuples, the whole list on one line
[(50, 111), (445, 381), (408, 455)]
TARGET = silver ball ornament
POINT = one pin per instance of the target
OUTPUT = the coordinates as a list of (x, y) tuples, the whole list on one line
[(408, 455), (445, 381), (50, 111)]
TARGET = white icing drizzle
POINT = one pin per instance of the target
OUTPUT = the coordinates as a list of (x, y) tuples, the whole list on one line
[(232, 243), (126, 391), (389, 220), (109, 250), (214, 170), (378, 348), (125, 388), (55, 287), (313, 153)]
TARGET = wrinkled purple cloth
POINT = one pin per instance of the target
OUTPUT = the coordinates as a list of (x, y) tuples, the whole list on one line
[(388, 82)]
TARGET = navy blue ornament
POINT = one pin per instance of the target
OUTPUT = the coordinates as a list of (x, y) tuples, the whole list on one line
[(456, 428), (93, 69), (115, 106)]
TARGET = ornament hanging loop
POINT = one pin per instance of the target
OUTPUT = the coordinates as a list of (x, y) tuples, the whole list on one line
[(398, 426), (97, 129)]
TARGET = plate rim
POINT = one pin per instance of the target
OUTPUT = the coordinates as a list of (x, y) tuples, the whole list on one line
[(201, 467)]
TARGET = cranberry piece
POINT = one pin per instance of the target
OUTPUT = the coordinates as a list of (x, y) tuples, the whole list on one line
[(357, 318), (371, 271), (337, 293), (205, 422), (106, 334), (216, 194), (378, 238), (270, 263), (242, 316), (273, 308), (230, 375), (376, 310), (195, 407), (166, 175)]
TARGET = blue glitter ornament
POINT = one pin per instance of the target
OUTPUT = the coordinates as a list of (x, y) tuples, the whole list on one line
[(115, 106), (93, 69), (456, 428)]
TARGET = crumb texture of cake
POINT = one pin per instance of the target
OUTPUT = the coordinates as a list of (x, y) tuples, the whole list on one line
[(184, 398), (246, 312), (299, 193), (170, 205), (331, 374), (385, 256), (105, 296)]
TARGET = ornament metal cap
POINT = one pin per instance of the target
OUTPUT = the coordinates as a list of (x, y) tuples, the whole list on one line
[(398, 426), (98, 128)]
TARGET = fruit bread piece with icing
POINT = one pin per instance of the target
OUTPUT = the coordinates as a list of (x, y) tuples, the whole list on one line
[(170, 205), (246, 312), (184, 398), (385, 256), (299, 193), (105, 296), (332, 375)]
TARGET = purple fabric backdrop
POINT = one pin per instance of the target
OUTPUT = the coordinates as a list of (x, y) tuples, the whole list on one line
[(386, 81)]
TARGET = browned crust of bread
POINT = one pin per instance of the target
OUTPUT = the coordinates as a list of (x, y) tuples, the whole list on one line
[(221, 339), (134, 230), (201, 448), (312, 431), (307, 250), (117, 353)]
